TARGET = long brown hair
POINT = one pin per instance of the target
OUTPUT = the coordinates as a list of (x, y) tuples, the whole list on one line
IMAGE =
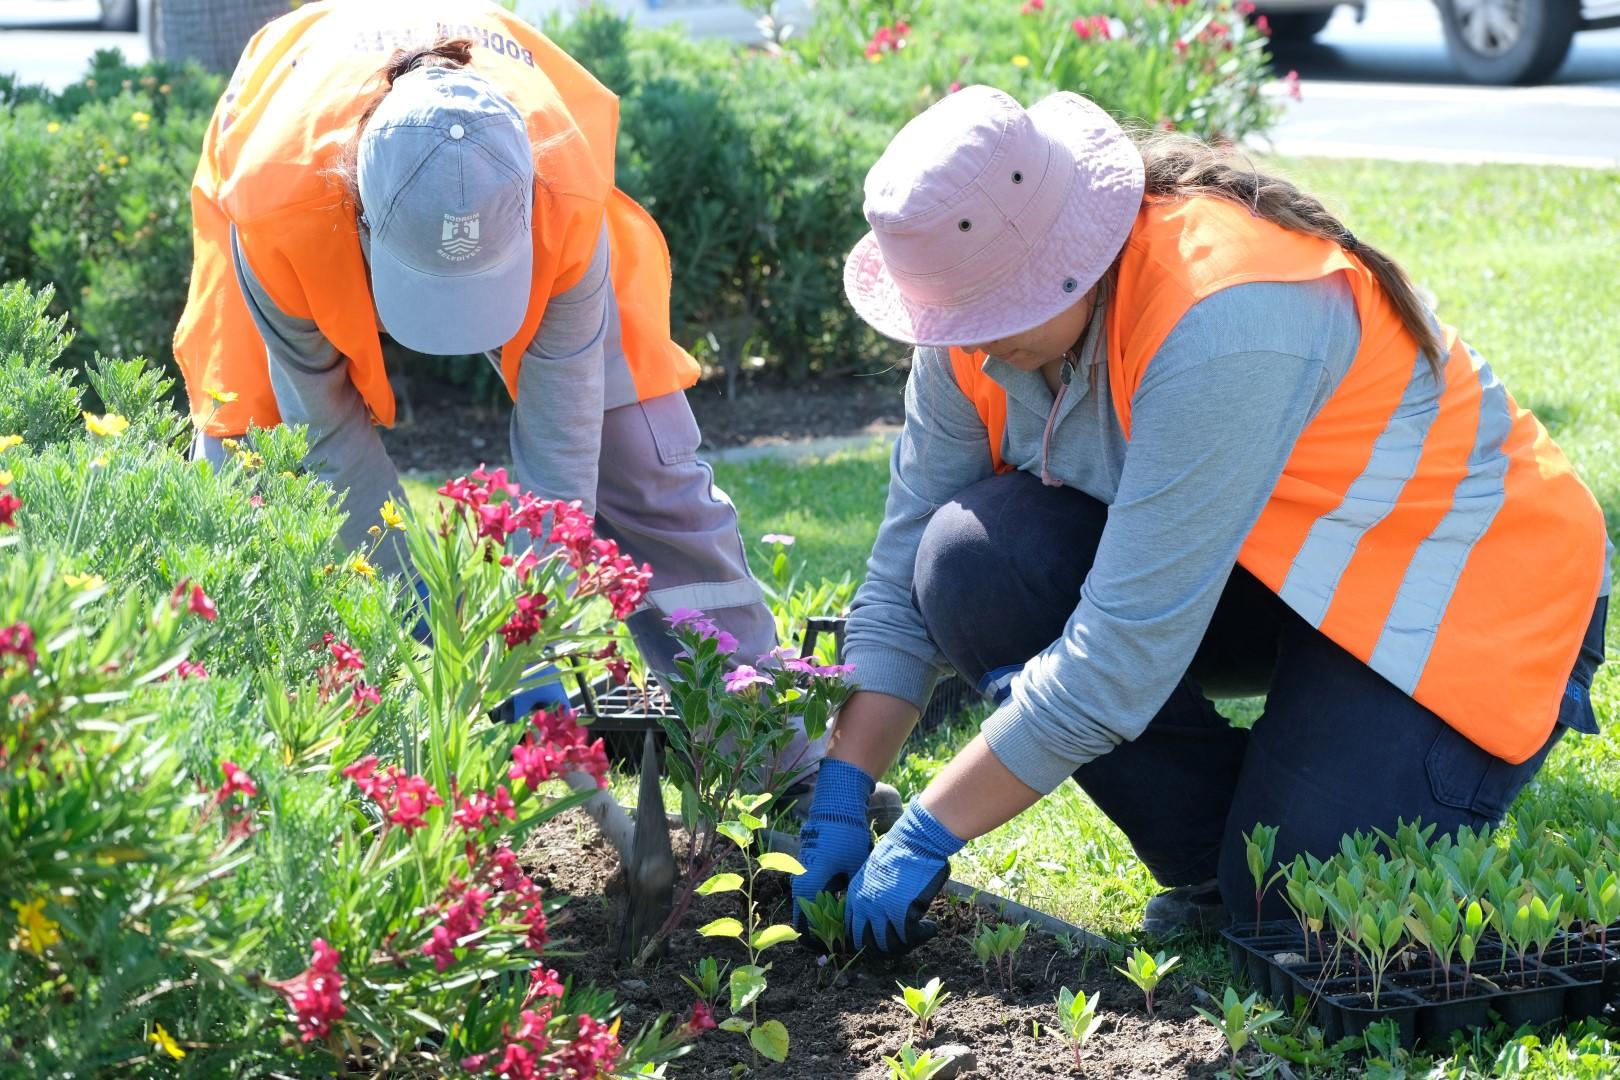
[(1177, 166), (443, 52)]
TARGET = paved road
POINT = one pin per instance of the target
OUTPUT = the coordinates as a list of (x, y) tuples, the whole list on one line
[(1380, 88)]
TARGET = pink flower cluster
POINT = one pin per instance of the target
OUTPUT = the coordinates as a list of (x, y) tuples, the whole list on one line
[(528, 1052), (700, 624), (499, 509), (1031, 7), (342, 672), (701, 1020), (196, 601), (9, 505), (404, 799), (463, 918), (237, 781), (1088, 27), (522, 626), (316, 993), (506, 888), (556, 746), (888, 39), (191, 669), (479, 808), (18, 640), (784, 656)]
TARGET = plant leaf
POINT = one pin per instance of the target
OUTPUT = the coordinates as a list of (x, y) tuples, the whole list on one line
[(736, 832), (727, 927), (747, 983), (773, 935), (735, 1023), (720, 883), (771, 1040), (780, 860)]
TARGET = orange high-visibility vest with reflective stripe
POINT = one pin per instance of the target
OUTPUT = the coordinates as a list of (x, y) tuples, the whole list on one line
[(293, 106), (1447, 544)]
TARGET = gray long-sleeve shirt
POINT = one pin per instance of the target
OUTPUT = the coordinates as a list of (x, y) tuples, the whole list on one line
[(572, 370), (1214, 421)]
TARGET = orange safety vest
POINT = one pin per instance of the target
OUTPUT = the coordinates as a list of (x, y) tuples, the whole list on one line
[(1402, 530), (291, 108)]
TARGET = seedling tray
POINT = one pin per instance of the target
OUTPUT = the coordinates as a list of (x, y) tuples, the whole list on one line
[(1562, 985)]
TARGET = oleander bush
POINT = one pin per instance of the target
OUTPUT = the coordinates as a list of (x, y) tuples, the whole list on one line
[(254, 816)]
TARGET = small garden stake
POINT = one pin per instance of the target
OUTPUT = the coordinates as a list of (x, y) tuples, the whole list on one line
[(1240, 1021), (1147, 972), (1259, 848), (922, 1004), (1077, 1015)]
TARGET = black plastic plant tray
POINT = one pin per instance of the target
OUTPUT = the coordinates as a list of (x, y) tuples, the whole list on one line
[(1559, 986), (607, 707)]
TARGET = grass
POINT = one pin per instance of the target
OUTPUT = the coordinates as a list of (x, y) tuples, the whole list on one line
[(1521, 260)]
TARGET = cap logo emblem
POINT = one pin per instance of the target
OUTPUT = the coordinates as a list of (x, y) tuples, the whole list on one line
[(458, 241)]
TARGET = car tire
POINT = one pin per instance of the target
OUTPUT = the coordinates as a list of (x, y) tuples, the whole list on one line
[(1293, 27), (118, 15), (1509, 42)]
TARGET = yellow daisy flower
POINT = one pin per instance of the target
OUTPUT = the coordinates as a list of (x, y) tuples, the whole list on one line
[(164, 1041), (8, 441), (110, 424), (224, 397), (1020, 61), (84, 581), (359, 565), (38, 931), (392, 516)]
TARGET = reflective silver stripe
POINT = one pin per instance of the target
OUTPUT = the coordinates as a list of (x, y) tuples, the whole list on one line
[(1431, 578), (1331, 543), (705, 595)]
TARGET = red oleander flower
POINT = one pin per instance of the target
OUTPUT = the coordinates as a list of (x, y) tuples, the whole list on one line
[(1032, 6), (316, 993), (197, 601), (236, 780), (1292, 82), (365, 698), (18, 640), (526, 621), (594, 1050), (700, 1020), (1093, 26), (191, 669), (543, 983), (404, 799), (474, 810), (9, 505), (559, 747), (347, 656)]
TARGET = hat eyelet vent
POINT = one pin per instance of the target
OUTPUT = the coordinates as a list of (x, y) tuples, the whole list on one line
[(1017, 177), (964, 224), (1069, 285)]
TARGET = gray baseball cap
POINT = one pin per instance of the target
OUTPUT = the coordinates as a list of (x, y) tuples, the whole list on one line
[(446, 178)]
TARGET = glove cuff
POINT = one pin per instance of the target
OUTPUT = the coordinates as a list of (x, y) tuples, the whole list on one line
[(920, 830), (842, 791)]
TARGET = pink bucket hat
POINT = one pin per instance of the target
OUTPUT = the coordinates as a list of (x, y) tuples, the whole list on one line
[(989, 219)]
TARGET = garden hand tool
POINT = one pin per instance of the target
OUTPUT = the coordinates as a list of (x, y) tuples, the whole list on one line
[(890, 894), (649, 869), (835, 839)]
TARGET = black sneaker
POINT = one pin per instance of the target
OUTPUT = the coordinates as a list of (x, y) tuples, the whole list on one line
[(1185, 909)]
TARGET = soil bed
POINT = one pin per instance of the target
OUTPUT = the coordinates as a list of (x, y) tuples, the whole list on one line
[(845, 1030)]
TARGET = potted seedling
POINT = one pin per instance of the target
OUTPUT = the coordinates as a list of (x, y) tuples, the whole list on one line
[(1147, 972), (1077, 1016), (998, 946), (1259, 848), (922, 1004), (1240, 1021), (913, 1064)]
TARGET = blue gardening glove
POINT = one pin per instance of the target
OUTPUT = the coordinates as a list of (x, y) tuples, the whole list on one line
[(902, 876), (835, 839)]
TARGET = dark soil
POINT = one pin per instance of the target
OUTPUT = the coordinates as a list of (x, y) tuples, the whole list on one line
[(445, 428), (844, 1030)]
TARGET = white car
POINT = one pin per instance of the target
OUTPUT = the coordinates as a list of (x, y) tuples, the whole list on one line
[(1490, 41)]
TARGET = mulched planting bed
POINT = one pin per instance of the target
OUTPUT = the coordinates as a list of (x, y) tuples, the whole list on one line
[(845, 1030)]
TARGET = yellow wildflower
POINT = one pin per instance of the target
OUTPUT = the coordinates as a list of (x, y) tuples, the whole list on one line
[(123, 159), (163, 1040), (8, 441), (392, 516), (163, 89), (52, 128), (139, 117), (101, 167), (230, 444), (99, 462), (110, 424), (38, 931), (1020, 61), (251, 459), (83, 581), (224, 397), (5, 477), (359, 565)]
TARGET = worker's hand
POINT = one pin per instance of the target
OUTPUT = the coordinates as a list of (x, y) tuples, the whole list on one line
[(891, 893), (835, 838)]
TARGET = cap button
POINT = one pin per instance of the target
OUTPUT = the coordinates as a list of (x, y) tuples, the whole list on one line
[(457, 131)]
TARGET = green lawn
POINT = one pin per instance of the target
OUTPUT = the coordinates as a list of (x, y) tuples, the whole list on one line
[(1522, 261)]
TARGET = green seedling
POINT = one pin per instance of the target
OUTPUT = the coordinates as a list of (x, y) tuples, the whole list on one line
[(1259, 848), (912, 1064), (1077, 1015), (1473, 928), (1147, 972), (1241, 1020), (1602, 898), (769, 1038), (1435, 923), (825, 914), (708, 983), (999, 945), (922, 1004), (1380, 927)]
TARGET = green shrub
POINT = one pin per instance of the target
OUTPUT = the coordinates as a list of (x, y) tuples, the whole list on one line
[(164, 625)]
